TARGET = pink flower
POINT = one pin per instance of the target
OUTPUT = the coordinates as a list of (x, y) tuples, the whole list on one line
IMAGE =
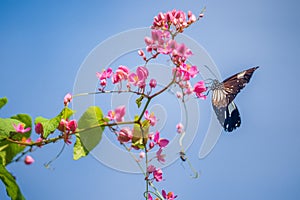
[(67, 99), (28, 160), (160, 157), (67, 126), (20, 128), (152, 83), (180, 128), (157, 174), (149, 197), (72, 125), (188, 71), (150, 117), (161, 142), (139, 78), (120, 74), (103, 76), (151, 169), (125, 135), (169, 196), (39, 128), (120, 113), (199, 88)]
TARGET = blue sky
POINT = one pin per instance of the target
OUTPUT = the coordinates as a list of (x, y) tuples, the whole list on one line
[(44, 43)]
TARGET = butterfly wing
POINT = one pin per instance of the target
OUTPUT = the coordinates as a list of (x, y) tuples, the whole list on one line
[(234, 84), (229, 116), (223, 96)]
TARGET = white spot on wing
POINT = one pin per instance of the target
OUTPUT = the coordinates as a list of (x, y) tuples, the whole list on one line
[(241, 75)]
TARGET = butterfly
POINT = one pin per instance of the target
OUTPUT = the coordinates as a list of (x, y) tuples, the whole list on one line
[(223, 94)]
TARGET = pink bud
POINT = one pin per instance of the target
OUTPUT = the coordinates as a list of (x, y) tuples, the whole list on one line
[(39, 128), (153, 83), (28, 160), (142, 154), (72, 125), (67, 99)]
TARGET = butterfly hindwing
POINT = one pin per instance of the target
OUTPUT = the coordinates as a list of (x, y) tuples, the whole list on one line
[(229, 116)]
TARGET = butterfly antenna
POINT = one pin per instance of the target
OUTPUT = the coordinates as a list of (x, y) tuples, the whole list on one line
[(211, 72)]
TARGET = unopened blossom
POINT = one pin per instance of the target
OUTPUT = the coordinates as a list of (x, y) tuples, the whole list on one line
[(67, 99), (142, 54), (142, 154), (28, 160), (180, 128), (150, 117), (39, 128), (20, 128), (199, 88), (152, 83)]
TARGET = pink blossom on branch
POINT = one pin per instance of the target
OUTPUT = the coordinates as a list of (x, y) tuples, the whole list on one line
[(157, 174), (169, 196), (160, 157), (120, 74), (199, 88), (20, 128), (139, 78), (103, 76), (150, 117), (117, 114), (161, 142)]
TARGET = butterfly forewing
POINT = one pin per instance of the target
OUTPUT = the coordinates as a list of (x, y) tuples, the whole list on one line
[(234, 84)]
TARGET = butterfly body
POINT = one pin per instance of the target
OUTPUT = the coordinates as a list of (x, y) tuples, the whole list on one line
[(223, 94)]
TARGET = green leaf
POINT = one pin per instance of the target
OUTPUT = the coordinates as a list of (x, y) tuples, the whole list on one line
[(3, 101), (79, 150), (50, 125), (12, 189), (139, 100), (140, 134), (10, 150), (90, 131)]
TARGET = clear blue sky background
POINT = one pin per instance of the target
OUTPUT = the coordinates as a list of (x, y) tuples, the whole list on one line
[(43, 43)]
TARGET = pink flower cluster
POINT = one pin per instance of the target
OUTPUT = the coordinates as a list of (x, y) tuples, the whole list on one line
[(67, 128), (175, 18), (161, 42), (137, 78)]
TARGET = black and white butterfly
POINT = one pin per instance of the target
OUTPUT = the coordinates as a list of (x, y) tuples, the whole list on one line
[(223, 94)]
